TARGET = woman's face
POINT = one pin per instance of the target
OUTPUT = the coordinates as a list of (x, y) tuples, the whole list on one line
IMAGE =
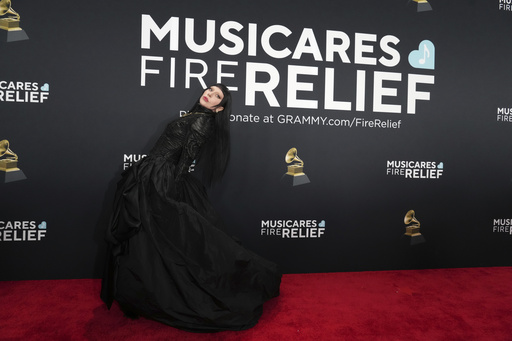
[(211, 98)]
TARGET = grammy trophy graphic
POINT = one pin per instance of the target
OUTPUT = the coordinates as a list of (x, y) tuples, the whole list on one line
[(10, 29), (295, 175), (9, 170), (420, 5), (412, 229)]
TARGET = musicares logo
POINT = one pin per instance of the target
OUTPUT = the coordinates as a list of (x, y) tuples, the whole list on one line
[(368, 63), (504, 114), (130, 159), (415, 169), (505, 5), (293, 228), (502, 226), (22, 231), (23, 92)]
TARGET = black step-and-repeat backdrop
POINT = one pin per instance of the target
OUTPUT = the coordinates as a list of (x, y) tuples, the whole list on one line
[(366, 134)]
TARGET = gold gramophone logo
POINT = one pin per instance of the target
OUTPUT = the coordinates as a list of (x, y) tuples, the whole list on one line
[(412, 228), (10, 29), (295, 175), (9, 170), (420, 5)]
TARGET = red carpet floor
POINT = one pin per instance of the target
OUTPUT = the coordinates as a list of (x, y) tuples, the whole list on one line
[(443, 304)]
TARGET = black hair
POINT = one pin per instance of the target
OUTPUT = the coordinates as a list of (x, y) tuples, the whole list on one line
[(215, 153)]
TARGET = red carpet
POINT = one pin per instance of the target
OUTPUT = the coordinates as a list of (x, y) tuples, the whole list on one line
[(443, 304)]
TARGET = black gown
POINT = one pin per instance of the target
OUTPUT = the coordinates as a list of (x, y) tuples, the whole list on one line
[(167, 258)]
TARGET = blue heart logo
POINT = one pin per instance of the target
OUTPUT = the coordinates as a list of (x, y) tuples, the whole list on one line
[(45, 87), (424, 56), (440, 165), (42, 226), (321, 224)]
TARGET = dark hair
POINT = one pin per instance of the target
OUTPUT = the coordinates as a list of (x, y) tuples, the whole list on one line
[(215, 153)]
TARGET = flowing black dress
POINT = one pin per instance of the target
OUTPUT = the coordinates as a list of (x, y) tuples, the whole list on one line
[(167, 258)]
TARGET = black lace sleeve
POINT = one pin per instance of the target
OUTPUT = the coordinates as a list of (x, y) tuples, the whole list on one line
[(199, 132)]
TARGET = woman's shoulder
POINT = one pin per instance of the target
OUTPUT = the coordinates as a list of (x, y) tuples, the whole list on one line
[(201, 117), (201, 121)]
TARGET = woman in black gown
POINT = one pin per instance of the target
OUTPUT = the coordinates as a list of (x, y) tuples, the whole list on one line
[(167, 258)]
